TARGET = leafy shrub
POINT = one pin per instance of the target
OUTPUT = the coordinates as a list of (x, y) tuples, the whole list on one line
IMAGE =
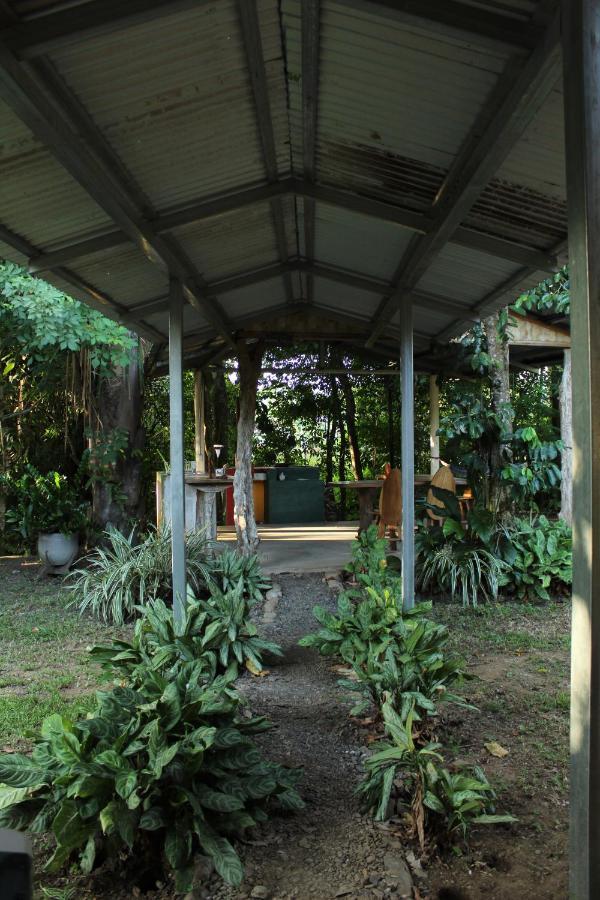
[(358, 629), (43, 504), (415, 672), (370, 567), (216, 632), (436, 802), (230, 567), (538, 554), (158, 770)]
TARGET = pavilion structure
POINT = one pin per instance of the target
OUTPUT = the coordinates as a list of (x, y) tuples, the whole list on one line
[(374, 172)]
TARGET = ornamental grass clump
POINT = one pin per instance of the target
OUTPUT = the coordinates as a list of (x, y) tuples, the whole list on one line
[(119, 578), (122, 575)]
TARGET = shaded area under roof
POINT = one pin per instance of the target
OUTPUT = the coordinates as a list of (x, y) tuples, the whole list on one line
[(294, 164)]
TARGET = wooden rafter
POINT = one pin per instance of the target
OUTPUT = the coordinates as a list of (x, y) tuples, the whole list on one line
[(67, 133), (248, 16), (311, 10), (64, 26), (493, 135), (201, 210)]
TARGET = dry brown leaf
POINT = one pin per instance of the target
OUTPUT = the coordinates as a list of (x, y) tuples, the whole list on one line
[(496, 749), (260, 673)]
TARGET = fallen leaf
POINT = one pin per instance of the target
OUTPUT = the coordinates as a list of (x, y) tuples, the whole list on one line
[(496, 749), (254, 670)]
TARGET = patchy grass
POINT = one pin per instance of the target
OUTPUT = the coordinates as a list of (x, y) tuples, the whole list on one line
[(519, 655), (44, 664)]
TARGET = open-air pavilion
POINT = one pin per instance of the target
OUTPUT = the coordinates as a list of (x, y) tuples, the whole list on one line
[(371, 173)]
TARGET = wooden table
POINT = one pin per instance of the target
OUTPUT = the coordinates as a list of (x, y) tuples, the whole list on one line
[(368, 495)]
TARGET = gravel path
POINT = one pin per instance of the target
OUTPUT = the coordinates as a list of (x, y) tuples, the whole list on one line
[(329, 849)]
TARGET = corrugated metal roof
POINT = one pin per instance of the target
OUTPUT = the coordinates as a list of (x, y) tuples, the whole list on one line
[(231, 243), (169, 94), (347, 239), (397, 99)]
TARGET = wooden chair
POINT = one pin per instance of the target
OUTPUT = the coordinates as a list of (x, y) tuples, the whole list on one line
[(444, 479), (390, 507)]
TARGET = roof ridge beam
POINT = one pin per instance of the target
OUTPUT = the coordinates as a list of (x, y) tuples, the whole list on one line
[(489, 142), (250, 27)]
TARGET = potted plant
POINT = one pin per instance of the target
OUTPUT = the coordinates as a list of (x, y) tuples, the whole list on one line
[(48, 509)]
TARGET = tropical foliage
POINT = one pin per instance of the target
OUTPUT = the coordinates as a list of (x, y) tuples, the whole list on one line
[(164, 765)]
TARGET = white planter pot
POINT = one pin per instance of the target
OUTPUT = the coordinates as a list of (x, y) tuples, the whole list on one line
[(57, 551)]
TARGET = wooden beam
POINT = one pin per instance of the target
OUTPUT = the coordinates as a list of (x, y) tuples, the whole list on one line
[(311, 11), (248, 16), (60, 123), (581, 43), (427, 300), (451, 16), (492, 301), (55, 30), (72, 24), (516, 102), (198, 211)]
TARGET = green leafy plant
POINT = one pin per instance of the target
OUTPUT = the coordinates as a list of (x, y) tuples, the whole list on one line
[(416, 673), (230, 567), (44, 504), (359, 629), (216, 632), (538, 555), (439, 804), (157, 772), (117, 578), (370, 566)]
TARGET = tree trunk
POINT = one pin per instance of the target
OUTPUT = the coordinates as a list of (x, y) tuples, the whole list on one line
[(116, 445), (330, 433), (350, 410), (500, 386), (339, 419), (250, 360), (566, 434)]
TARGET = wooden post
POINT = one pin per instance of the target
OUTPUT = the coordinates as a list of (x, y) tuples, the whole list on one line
[(566, 434), (176, 450), (408, 454), (581, 67), (199, 423), (434, 424)]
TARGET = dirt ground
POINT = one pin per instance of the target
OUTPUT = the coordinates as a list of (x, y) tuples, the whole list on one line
[(520, 657)]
